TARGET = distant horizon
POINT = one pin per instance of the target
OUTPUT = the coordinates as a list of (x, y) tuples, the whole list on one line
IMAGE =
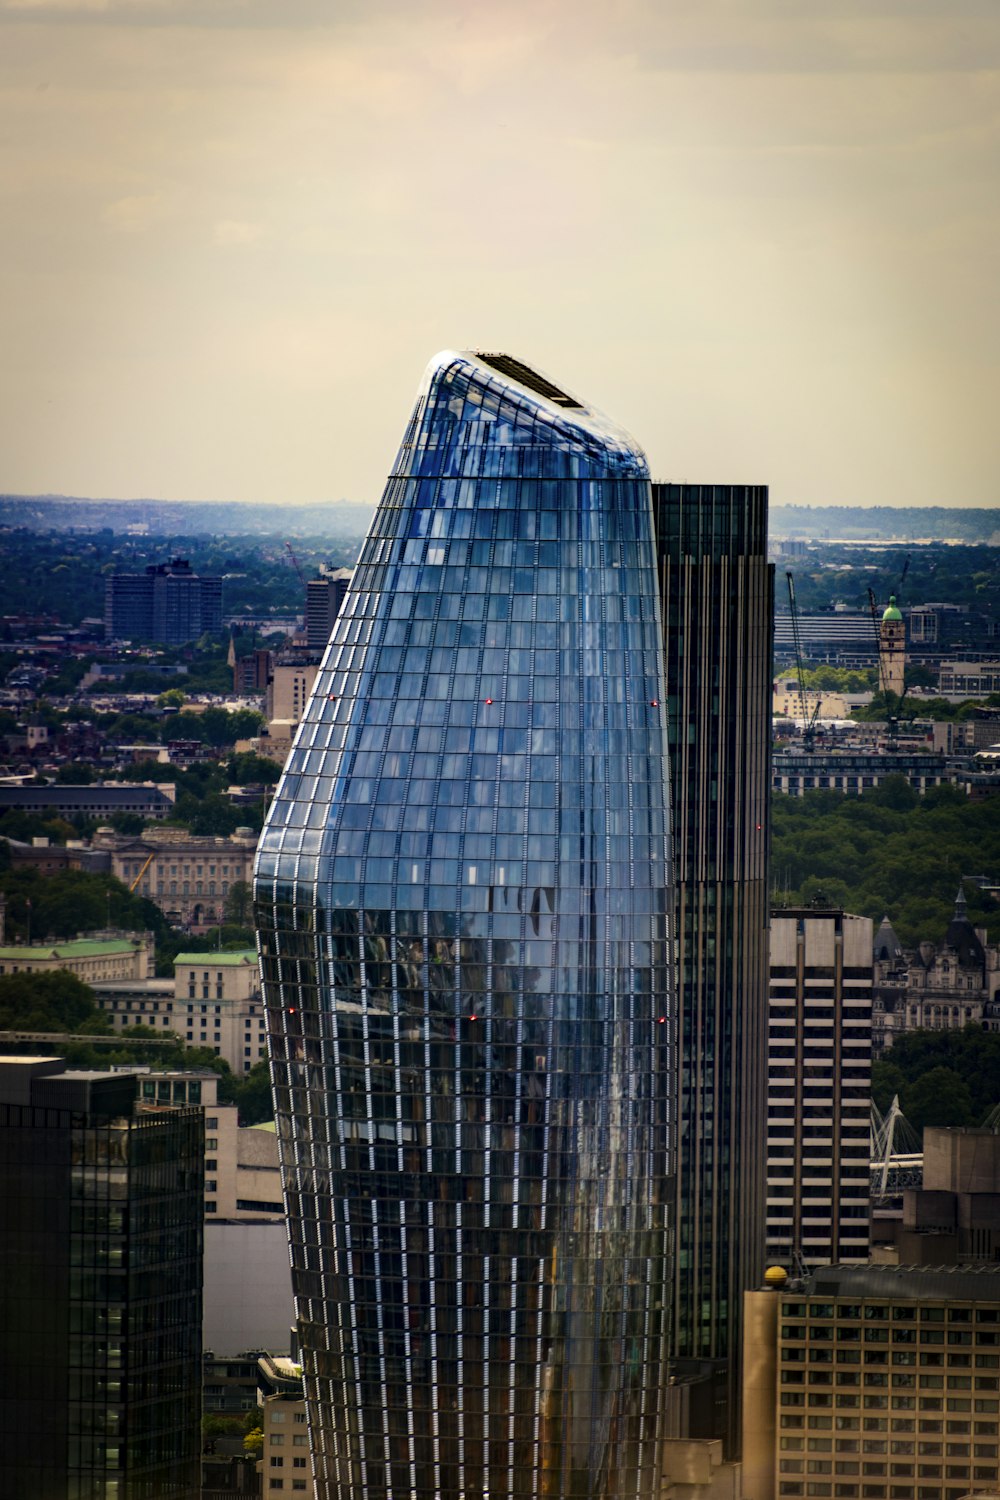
[(69, 498)]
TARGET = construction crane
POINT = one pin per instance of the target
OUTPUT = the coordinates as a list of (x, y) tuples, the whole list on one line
[(902, 579), (808, 719), (149, 861), (295, 564)]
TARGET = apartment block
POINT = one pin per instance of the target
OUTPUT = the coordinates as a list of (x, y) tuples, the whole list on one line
[(819, 1087), (888, 1384)]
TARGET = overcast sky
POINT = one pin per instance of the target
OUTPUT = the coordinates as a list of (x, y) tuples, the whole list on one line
[(764, 235)]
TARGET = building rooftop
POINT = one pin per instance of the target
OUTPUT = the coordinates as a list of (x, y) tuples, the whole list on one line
[(97, 794), (217, 959), (79, 948), (915, 1283)]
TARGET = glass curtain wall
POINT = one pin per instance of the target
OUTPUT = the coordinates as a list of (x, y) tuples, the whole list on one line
[(463, 901)]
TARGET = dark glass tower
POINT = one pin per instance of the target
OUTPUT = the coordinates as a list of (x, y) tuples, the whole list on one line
[(463, 899), (100, 1288), (716, 589)]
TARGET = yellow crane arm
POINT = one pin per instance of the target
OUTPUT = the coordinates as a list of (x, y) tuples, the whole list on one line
[(149, 861)]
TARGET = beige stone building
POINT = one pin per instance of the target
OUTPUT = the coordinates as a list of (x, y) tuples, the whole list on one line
[(242, 1178), (222, 1005), (888, 1384), (937, 986), (94, 958), (189, 878), (786, 701), (213, 1001), (289, 684)]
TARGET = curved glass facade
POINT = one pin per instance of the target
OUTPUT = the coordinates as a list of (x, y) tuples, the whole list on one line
[(463, 892)]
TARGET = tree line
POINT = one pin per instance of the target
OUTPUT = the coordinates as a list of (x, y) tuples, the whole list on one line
[(888, 852)]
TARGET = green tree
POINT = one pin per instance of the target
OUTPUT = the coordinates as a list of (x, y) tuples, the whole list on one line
[(940, 1097), (896, 792), (76, 773), (251, 1094), (73, 901), (48, 1002), (888, 1080), (239, 903), (249, 768)]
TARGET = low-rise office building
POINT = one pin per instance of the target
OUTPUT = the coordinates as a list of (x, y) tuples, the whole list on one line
[(213, 1001), (147, 799), (242, 1177), (796, 772), (888, 1383)]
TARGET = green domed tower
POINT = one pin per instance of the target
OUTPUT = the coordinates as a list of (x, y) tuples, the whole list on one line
[(893, 648)]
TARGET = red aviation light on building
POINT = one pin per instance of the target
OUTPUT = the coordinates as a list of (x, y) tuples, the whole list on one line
[(488, 702), (654, 702)]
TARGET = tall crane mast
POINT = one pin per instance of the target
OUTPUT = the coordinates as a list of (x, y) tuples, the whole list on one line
[(295, 565), (808, 719)]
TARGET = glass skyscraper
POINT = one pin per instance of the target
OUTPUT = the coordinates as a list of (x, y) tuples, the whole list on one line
[(463, 894), (716, 590)]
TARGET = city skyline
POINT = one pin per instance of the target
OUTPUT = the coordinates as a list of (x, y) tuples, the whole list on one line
[(222, 221)]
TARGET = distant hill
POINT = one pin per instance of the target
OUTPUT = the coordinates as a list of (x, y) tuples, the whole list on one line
[(886, 523), (349, 518), (188, 518)]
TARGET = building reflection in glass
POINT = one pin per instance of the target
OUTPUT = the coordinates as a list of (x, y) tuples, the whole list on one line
[(462, 893)]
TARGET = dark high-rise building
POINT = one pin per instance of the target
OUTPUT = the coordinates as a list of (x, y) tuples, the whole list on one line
[(100, 1288), (716, 590), (464, 909), (168, 603), (324, 596)]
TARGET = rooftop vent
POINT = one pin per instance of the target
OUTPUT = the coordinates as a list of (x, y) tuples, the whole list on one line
[(508, 365)]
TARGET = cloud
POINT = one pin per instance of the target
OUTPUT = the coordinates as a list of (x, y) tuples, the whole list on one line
[(758, 232), (136, 214), (236, 232)]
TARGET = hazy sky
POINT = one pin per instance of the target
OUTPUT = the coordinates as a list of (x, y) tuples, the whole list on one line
[(764, 235)]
